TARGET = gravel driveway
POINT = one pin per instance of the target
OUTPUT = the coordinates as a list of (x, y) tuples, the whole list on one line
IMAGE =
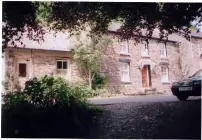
[(169, 120)]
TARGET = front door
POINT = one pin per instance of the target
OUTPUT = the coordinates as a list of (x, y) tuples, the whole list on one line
[(144, 76)]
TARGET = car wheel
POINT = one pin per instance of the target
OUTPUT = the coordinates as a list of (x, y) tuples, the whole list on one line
[(182, 97)]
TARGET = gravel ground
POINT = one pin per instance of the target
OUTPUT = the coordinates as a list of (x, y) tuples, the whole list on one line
[(169, 120)]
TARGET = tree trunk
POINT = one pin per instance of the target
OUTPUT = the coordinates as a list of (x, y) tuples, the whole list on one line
[(90, 79)]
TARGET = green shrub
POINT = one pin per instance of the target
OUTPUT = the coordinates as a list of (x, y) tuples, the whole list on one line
[(102, 92), (46, 91), (80, 92), (99, 81), (33, 114)]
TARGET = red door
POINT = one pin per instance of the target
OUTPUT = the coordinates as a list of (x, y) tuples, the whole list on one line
[(144, 77)]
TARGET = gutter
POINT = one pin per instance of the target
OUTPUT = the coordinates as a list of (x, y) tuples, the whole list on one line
[(38, 49), (198, 37)]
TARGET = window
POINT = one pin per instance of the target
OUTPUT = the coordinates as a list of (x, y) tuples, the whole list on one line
[(163, 51), (164, 73), (61, 64), (124, 47), (125, 76), (22, 70), (144, 49)]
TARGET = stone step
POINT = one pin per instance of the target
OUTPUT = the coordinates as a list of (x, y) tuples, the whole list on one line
[(147, 91), (150, 91)]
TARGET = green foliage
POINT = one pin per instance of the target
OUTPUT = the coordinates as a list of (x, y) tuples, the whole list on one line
[(43, 11), (15, 16), (87, 54), (33, 114), (171, 17), (99, 81), (46, 90), (13, 98), (80, 92)]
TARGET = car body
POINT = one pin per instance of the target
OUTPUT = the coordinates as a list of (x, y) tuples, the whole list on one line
[(188, 87)]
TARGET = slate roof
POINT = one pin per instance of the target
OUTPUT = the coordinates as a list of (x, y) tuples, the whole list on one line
[(52, 41), (195, 34), (61, 42)]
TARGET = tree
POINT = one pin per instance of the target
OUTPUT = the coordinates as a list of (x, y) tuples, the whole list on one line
[(168, 17), (136, 18), (18, 15), (87, 54)]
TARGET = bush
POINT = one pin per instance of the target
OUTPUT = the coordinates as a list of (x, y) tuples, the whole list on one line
[(33, 113), (46, 91), (99, 81), (81, 92), (102, 92)]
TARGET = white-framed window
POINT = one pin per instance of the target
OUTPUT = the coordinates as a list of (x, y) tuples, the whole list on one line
[(124, 48), (163, 51), (144, 49), (125, 71), (164, 73), (61, 64)]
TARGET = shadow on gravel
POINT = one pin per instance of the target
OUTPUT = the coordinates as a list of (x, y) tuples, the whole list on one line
[(163, 120)]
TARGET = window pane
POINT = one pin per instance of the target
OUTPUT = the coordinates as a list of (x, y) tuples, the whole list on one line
[(144, 49), (124, 47), (59, 64), (22, 70), (125, 66), (64, 64), (125, 72), (164, 73), (125, 76)]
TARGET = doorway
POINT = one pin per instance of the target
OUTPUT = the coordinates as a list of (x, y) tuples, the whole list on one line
[(146, 76)]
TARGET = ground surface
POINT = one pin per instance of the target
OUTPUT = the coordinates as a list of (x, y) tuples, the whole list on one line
[(128, 99), (148, 117)]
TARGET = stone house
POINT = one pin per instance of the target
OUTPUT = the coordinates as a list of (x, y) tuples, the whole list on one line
[(151, 68), (130, 68), (49, 57)]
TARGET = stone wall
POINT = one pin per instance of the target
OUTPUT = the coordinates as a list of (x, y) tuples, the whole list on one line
[(197, 51), (110, 66), (39, 63), (43, 62), (190, 56)]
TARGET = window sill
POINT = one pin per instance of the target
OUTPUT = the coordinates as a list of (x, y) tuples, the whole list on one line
[(163, 57), (145, 56), (126, 54), (126, 82), (165, 82)]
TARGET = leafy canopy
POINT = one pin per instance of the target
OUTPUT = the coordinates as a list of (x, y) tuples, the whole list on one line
[(168, 17), (87, 53)]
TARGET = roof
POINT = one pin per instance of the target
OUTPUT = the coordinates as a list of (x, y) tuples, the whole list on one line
[(156, 33), (173, 37), (60, 41), (51, 41), (195, 34)]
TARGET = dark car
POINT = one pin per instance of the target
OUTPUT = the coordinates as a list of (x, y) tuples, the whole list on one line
[(188, 87)]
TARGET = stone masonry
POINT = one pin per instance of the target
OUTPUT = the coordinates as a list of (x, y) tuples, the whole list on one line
[(39, 63), (180, 61), (110, 66)]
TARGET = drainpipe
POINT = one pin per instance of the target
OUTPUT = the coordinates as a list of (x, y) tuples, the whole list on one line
[(193, 68), (31, 66)]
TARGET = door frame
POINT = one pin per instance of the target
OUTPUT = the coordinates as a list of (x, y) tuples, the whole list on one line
[(149, 75), (148, 78)]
